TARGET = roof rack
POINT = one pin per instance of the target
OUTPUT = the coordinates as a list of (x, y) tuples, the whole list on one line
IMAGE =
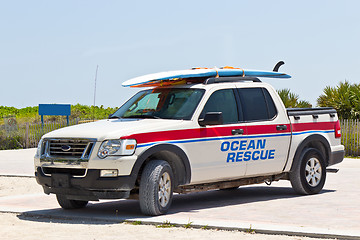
[(230, 79)]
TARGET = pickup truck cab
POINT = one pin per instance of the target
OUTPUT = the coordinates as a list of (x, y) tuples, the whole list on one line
[(219, 134)]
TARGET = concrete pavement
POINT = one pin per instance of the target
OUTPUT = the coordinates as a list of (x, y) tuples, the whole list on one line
[(17, 162), (335, 212)]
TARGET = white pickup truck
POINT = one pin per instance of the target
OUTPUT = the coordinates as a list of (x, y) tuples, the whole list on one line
[(219, 134)]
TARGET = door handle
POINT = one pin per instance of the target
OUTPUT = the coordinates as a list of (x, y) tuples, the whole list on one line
[(281, 127), (237, 131)]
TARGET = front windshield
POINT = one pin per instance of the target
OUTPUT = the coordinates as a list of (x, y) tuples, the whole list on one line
[(165, 103)]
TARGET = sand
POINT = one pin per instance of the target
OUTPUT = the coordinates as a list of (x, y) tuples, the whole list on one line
[(20, 226)]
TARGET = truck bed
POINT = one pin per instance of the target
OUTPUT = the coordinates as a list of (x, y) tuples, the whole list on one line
[(311, 111)]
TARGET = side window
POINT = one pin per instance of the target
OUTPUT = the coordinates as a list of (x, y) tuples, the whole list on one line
[(222, 101), (256, 104), (270, 104)]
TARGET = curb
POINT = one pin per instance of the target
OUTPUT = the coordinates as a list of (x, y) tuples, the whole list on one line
[(16, 176), (140, 221)]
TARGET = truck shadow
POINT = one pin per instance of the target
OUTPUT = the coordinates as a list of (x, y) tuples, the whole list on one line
[(240, 196), (109, 212)]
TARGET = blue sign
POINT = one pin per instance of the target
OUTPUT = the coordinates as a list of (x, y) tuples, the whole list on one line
[(55, 110)]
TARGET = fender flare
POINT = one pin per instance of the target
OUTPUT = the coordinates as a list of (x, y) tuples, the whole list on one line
[(176, 157), (307, 143)]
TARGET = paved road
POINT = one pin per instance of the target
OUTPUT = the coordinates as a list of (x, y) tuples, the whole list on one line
[(17, 162), (276, 208)]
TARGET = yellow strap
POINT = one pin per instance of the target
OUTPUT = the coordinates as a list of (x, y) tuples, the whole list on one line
[(217, 73)]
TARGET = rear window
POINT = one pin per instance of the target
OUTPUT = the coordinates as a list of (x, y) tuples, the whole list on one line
[(257, 104)]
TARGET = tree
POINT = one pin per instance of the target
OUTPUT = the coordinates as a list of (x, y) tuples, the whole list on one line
[(291, 100), (345, 98)]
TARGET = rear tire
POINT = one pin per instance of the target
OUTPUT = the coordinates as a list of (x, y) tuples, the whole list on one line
[(156, 188), (70, 204), (308, 175)]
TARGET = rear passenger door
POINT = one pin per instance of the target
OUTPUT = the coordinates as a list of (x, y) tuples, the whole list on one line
[(268, 132)]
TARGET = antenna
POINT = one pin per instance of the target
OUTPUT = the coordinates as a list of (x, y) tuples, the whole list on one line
[(97, 67)]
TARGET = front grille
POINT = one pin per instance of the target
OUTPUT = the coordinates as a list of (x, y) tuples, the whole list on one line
[(70, 148)]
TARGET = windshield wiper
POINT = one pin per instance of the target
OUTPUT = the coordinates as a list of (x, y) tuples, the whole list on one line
[(143, 116)]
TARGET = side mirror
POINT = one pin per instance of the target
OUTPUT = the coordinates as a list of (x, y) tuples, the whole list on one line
[(110, 115), (212, 118)]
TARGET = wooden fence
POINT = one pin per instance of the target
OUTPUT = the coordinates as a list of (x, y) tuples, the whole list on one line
[(28, 135), (350, 136), (33, 132)]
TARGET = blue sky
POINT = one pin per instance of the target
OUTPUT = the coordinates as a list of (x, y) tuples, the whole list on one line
[(50, 49)]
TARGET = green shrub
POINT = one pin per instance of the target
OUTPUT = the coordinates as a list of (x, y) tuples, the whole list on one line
[(16, 140), (11, 142)]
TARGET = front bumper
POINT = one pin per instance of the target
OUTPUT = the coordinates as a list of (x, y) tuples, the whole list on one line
[(91, 187)]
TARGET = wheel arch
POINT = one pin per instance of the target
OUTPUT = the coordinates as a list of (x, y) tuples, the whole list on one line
[(316, 141), (174, 155)]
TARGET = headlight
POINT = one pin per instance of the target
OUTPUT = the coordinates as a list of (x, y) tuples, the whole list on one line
[(125, 147), (38, 150)]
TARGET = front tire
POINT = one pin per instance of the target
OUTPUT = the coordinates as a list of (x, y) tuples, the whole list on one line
[(70, 204), (156, 188), (308, 175), (228, 189)]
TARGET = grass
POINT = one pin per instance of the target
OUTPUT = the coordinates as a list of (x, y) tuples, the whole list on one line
[(31, 115), (16, 139), (249, 230), (188, 225), (133, 222), (165, 224), (205, 227)]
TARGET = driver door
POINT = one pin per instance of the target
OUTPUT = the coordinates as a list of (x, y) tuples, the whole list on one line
[(213, 157)]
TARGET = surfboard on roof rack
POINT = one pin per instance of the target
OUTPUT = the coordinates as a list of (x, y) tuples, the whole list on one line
[(198, 75)]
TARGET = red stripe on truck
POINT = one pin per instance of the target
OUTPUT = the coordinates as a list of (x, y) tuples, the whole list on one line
[(182, 134), (208, 132), (300, 127)]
